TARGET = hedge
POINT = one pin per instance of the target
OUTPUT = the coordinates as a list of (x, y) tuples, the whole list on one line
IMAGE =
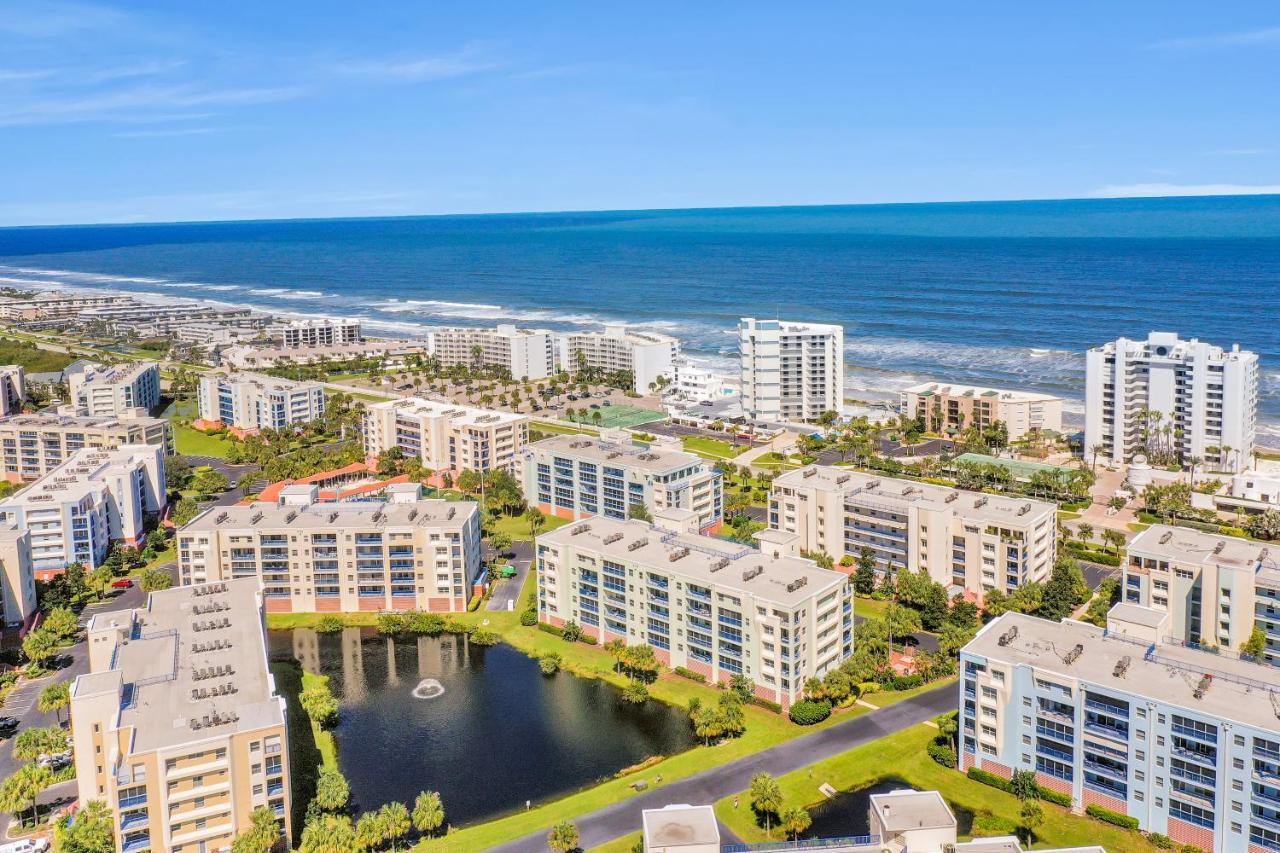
[(1113, 818), (1083, 553), (766, 704), (690, 674), (904, 682), (808, 712), (550, 629), (529, 618), (941, 753), (1056, 797), (977, 774)]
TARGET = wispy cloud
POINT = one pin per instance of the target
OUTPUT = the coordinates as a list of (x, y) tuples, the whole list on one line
[(135, 103), (125, 72), (1262, 37), (12, 75), (1238, 152), (167, 131), (1162, 190), (45, 19), (463, 63)]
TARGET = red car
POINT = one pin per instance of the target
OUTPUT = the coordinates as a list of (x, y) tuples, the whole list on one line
[(122, 583)]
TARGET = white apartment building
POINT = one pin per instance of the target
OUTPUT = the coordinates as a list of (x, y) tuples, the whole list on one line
[(575, 476), (402, 553), (178, 726), (17, 577), (1207, 396), (96, 497), (648, 355), (699, 384), (1214, 588), (523, 353), (114, 390), (56, 304), (297, 334), (1184, 741), (1260, 488), (33, 445), (713, 606), (254, 401), (969, 541), (254, 357), (447, 436), (790, 371), (13, 389), (945, 406)]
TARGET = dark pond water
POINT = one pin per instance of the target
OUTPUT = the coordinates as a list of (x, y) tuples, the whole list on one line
[(482, 726), (846, 813)]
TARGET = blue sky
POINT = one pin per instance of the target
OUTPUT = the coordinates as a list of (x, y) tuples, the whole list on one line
[(116, 112)]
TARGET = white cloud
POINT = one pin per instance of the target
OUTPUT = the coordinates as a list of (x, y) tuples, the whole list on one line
[(1238, 152), (461, 63), (167, 131), (134, 104), (9, 75), (1266, 36), (1160, 190), (46, 19)]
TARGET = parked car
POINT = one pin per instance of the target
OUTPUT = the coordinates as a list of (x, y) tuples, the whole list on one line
[(705, 403), (573, 397), (122, 583), (26, 845), (595, 405), (8, 725), (607, 403)]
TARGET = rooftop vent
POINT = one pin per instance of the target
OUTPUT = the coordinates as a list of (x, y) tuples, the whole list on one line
[(257, 516), (842, 479), (752, 573), (638, 544), (1024, 509), (874, 484), (677, 554), (579, 528), (413, 513), (288, 519), (217, 718), (954, 496), (1217, 549), (448, 516), (797, 583), (612, 537), (980, 502), (1009, 636), (333, 516), (614, 454), (1072, 656), (808, 472), (1122, 667), (1203, 687), (222, 516), (1165, 537), (719, 564)]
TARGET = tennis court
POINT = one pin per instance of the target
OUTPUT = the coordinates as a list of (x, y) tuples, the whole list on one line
[(620, 415)]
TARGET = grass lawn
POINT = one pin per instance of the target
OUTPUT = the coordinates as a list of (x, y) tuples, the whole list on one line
[(625, 844), (517, 527), (305, 756), (561, 428), (900, 757), (325, 742), (869, 608), (712, 448), (776, 462), (1137, 526), (191, 442), (1065, 515)]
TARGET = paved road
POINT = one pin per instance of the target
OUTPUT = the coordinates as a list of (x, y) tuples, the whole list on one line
[(507, 591), (623, 818)]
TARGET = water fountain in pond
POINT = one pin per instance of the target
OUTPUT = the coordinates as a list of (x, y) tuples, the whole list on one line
[(428, 688)]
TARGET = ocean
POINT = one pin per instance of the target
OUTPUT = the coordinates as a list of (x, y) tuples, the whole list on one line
[(1000, 293)]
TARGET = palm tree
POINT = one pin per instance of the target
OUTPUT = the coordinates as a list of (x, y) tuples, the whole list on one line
[(428, 812), (795, 821), (394, 818), (370, 831), (1096, 450), (766, 798), (1085, 529), (563, 837), (54, 698), (1194, 462), (262, 834)]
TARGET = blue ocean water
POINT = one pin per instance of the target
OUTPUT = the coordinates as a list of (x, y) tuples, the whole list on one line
[(1003, 293)]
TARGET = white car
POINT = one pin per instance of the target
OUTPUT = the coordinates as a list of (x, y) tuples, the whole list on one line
[(27, 845)]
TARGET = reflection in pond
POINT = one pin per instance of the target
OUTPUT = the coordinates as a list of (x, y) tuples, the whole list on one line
[(480, 725)]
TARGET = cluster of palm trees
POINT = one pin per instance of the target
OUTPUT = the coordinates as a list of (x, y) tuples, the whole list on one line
[(768, 803)]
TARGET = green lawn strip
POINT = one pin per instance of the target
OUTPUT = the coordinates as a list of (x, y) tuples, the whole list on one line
[(625, 844), (901, 757), (712, 448), (306, 756), (191, 442), (324, 740), (562, 428), (517, 526)]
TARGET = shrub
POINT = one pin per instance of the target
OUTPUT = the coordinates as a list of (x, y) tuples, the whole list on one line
[(1228, 530), (846, 560), (483, 637), (941, 753), (391, 623), (587, 638), (431, 624), (529, 618), (766, 704), (988, 825), (474, 604), (548, 628), (808, 712), (690, 674), (1056, 797), (1113, 818), (977, 774), (571, 631), (549, 663), (329, 624), (1164, 842), (636, 693), (904, 682)]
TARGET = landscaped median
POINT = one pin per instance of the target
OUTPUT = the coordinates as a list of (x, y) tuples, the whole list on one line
[(764, 728), (902, 758)]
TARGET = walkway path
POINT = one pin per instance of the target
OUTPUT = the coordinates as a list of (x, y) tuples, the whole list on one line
[(623, 818)]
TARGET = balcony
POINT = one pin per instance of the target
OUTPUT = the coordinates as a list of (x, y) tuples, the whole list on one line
[(1107, 731), (130, 802), (137, 842), (1053, 752), (1192, 732), (133, 820), (1106, 770)]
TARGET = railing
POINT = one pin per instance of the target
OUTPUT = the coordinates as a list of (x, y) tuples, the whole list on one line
[(1107, 731), (806, 844), (1192, 732), (1106, 789), (1113, 710), (1054, 752), (1107, 769)]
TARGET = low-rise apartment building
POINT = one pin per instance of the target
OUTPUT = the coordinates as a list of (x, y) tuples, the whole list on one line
[(1214, 588), (790, 371), (117, 390), (447, 436), (1184, 741), (574, 476), (299, 334), (96, 497), (178, 725), (523, 353), (971, 541), (715, 607), (13, 389), (56, 304), (647, 355), (942, 406), (256, 357), (249, 402), (33, 445), (17, 577), (396, 554)]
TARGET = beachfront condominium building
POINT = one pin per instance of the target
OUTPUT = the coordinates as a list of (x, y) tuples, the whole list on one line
[(972, 541), (178, 726), (712, 606), (13, 389), (33, 445), (402, 553), (17, 577), (115, 390), (1206, 399), (699, 384), (648, 356), (96, 497), (790, 371), (447, 436), (326, 332), (523, 353), (253, 401), (55, 305), (1184, 741), (941, 406), (1214, 588), (573, 476)]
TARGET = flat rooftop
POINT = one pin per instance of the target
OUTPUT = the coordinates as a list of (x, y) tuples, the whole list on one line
[(272, 516), (900, 811), (715, 562), (194, 665), (859, 487), (262, 380), (51, 420), (1184, 545), (658, 460), (1166, 673), (82, 473), (953, 390), (680, 825), (458, 415)]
